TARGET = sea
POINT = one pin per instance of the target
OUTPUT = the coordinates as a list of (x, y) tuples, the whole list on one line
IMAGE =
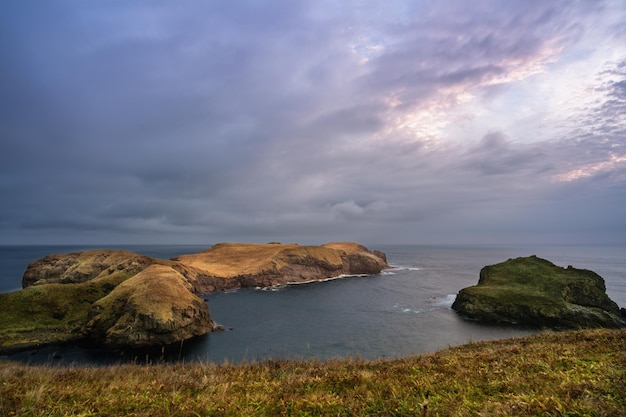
[(405, 310)]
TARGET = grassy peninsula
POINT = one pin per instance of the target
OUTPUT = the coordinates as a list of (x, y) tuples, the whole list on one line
[(575, 373), (124, 299)]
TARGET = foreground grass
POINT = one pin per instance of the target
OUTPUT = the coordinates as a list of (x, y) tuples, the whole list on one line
[(579, 373)]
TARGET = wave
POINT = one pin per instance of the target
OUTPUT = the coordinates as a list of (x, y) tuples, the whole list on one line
[(403, 268), (406, 310), (311, 281), (327, 279), (273, 288), (445, 301)]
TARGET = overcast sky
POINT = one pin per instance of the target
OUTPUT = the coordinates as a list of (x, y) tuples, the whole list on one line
[(313, 121)]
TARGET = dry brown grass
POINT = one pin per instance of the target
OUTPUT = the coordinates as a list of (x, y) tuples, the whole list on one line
[(157, 291), (349, 247), (234, 259), (580, 373)]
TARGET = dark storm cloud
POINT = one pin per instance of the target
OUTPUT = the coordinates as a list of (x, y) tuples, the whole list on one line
[(289, 120)]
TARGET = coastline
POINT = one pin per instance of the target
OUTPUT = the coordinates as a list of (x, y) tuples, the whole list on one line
[(362, 317)]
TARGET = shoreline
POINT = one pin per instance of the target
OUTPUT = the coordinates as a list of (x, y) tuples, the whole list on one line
[(312, 281)]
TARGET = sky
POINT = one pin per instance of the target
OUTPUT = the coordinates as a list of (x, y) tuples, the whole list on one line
[(425, 122)]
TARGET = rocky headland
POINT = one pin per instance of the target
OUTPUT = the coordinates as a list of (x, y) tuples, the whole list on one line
[(228, 266), (123, 299), (533, 292)]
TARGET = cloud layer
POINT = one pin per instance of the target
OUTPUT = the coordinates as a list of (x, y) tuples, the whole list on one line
[(415, 122)]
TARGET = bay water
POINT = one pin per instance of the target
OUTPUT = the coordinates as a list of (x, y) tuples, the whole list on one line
[(402, 311)]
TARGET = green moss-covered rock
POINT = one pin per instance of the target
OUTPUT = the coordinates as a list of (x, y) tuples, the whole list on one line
[(51, 313), (534, 292)]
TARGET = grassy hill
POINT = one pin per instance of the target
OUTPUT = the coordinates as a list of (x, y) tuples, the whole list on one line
[(576, 373)]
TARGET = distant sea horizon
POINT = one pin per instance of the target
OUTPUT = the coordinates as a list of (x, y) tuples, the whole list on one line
[(400, 312)]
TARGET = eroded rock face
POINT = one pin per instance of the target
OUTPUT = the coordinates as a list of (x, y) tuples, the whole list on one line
[(72, 268), (534, 292)]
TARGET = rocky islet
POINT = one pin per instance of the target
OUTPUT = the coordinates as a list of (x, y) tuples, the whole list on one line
[(533, 292)]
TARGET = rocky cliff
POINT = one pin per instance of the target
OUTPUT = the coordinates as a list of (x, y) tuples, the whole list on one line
[(534, 292), (122, 299)]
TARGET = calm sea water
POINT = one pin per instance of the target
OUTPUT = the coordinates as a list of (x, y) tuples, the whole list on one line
[(399, 312)]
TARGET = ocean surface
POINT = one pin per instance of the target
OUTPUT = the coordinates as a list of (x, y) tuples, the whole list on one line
[(400, 312)]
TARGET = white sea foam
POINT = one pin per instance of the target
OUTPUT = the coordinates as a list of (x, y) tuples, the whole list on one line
[(311, 281), (327, 279), (404, 268), (271, 288), (445, 301), (406, 310)]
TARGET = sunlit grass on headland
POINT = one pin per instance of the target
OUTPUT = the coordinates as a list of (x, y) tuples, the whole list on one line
[(550, 374)]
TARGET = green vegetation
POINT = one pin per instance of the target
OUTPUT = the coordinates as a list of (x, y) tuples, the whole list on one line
[(51, 313), (535, 292), (576, 373)]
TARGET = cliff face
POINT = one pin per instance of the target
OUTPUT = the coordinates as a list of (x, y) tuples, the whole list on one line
[(535, 292), (123, 299)]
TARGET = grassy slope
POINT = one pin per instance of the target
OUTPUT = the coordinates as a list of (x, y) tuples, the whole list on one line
[(550, 374), (51, 313), (155, 291), (151, 304)]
